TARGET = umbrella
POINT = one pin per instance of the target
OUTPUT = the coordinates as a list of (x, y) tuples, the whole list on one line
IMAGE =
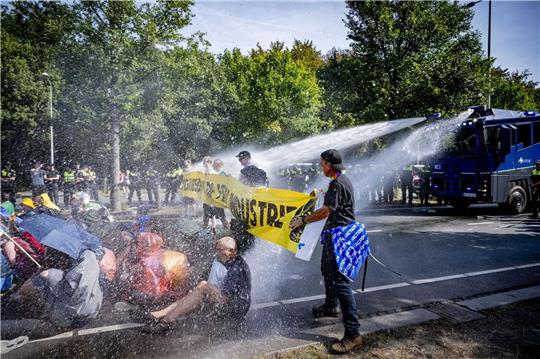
[(63, 242), (53, 231)]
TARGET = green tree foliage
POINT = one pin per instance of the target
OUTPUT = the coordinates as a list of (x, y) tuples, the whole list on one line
[(514, 91), (30, 36), (410, 58), (305, 53), (270, 97)]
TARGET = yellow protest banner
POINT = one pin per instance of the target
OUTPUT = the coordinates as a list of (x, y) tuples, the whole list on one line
[(266, 212)]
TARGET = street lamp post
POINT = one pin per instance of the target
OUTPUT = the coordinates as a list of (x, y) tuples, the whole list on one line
[(471, 4), (46, 75)]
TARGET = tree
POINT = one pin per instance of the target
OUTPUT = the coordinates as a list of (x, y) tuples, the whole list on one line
[(305, 53), (414, 57), (269, 97), (121, 44), (30, 35), (514, 91)]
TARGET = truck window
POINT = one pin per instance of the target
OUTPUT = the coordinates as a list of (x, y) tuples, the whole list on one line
[(463, 143), (536, 132), (524, 135), (498, 141)]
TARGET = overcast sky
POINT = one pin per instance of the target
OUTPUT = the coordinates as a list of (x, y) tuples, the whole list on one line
[(228, 24)]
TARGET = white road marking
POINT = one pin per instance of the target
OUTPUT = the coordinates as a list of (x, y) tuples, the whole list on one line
[(382, 287), (303, 299), (438, 279), (374, 231), (479, 223), (264, 305), (298, 300), (489, 271), (88, 331)]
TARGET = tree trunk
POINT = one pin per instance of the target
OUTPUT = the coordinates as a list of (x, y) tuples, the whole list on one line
[(116, 206)]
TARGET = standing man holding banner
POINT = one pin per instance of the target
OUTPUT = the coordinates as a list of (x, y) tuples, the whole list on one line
[(340, 227)]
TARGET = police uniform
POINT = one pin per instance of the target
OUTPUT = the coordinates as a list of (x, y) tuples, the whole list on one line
[(173, 181), (92, 185), (69, 185), (406, 179), (134, 185), (151, 179)]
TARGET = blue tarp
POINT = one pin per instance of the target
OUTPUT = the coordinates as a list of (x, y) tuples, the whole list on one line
[(61, 235)]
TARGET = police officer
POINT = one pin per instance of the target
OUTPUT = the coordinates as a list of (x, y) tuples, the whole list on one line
[(151, 181), (80, 178), (535, 179), (134, 184), (406, 179), (52, 177), (91, 180), (173, 181), (9, 186), (69, 177)]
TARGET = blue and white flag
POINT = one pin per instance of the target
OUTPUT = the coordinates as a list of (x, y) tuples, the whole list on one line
[(351, 248)]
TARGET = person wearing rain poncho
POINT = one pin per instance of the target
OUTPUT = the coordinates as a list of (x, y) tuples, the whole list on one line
[(65, 294), (345, 247), (153, 276), (227, 291)]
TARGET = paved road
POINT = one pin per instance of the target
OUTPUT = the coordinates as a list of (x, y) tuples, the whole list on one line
[(441, 253)]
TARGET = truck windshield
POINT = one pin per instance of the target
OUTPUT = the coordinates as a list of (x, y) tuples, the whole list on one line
[(463, 143)]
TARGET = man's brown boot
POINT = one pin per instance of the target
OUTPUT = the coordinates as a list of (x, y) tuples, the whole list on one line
[(345, 345)]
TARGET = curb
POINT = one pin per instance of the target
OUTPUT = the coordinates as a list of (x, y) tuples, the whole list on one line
[(411, 317)]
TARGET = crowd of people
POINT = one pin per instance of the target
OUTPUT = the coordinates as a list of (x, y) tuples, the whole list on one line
[(59, 266), (58, 269), (57, 272)]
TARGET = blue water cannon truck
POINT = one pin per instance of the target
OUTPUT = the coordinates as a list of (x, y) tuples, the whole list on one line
[(489, 159)]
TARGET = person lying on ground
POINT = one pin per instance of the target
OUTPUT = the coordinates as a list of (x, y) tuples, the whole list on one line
[(228, 291)]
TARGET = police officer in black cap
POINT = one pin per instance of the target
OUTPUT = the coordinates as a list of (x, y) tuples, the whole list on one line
[(250, 174)]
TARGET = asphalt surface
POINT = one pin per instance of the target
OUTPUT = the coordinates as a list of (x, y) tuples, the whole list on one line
[(442, 254)]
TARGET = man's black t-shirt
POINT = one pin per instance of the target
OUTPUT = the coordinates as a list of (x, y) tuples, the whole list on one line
[(340, 199), (237, 285), (50, 174)]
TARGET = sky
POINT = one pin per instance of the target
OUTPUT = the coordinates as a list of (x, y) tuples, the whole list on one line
[(515, 31)]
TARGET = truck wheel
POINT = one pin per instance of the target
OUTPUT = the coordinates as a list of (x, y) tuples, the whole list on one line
[(517, 200), (459, 203)]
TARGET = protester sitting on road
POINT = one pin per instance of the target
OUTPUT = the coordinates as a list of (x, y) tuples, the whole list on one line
[(7, 204), (17, 252), (45, 205), (65, 294), (26, 205), (228, 290), (153, 276)]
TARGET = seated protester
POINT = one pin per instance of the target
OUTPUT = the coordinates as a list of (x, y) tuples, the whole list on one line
[(228, 290), (6, 275), (154, 276), (7, 204), (44, 205), (65, 294), (27, 205), (22, 265)]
